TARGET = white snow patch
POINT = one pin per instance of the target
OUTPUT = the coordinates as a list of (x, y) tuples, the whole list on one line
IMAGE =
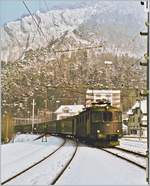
[(45, 172), (25, 137), (19, 156), (92, 166), (133, 144)]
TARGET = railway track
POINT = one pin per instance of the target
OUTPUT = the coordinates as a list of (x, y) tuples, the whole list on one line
[(65, 167), (33, 165), (131, 152), (135, 158), (55, 153)]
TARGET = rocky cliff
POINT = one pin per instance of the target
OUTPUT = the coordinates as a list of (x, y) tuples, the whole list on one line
[(114, 24)]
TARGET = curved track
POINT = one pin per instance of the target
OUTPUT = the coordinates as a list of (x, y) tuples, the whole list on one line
[(67, 164), (127, 155), (131, 152), (33, 165)]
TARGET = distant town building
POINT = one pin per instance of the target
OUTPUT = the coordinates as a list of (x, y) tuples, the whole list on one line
[(65, 111), (111, 95), (125, 123), (137, 119), (42, 116), (46, 115), (124, 129), (25, 121)]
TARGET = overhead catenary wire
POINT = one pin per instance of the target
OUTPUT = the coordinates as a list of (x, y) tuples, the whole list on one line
[(88, 48), (31, 15), (41, 32), (35, 21)]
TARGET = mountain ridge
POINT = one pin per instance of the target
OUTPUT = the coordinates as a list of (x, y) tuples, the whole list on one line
[(94, 24)]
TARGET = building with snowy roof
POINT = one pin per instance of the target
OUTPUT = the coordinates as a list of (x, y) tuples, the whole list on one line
[(125, 123), (65, 111), (113, 96), (137, 118)]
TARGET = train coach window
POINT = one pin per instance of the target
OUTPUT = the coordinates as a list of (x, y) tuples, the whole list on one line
[(83, 119), (88, 115), (80, 120), (107, 116)]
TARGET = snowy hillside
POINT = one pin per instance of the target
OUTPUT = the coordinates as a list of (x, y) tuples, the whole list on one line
[(23, 34), (96, 22)]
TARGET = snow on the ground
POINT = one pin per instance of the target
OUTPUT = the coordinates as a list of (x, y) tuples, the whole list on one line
[(133, 145), (92, 166), (17, 156), (45, 172), (135, 138), (25, 138), (137, 159)]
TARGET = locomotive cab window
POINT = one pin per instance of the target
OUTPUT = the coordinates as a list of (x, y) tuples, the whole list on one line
[(97, 116), (107, 116)]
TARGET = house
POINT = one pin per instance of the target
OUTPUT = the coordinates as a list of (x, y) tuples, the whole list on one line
[(65, 111), (125, 123), (45, 115), (144, 117), (137, 119), (113, 96), (124, 129)]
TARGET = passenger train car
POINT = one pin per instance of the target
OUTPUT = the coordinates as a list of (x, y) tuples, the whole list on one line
[(99, 125)]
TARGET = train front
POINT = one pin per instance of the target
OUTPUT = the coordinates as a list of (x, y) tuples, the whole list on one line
[(106, 125)]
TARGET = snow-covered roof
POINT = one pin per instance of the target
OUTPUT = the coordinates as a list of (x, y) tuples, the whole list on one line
[(130, 112), (136, 105), (144, 106), (144, 118), (126, 119), (71, 108), (102, 91)]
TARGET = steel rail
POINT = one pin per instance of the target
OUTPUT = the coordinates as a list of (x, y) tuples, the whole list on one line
[(67, 164), (124, 158), (18, 174), (131, 152)]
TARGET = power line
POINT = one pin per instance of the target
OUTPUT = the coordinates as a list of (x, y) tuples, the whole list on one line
[(66, 89), (31, 15), (88, 48), (35, 21)]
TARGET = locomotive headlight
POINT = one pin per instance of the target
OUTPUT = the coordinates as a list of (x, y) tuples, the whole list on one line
[(98, 131), (118, 131)]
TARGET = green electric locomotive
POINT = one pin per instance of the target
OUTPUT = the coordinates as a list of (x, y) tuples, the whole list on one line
[(99, 125)]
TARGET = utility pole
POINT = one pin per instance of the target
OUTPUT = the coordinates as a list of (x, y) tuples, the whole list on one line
[(7, 128), (140, 116), (146, 4), (33, 104), (107, 63), (147, 177)]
